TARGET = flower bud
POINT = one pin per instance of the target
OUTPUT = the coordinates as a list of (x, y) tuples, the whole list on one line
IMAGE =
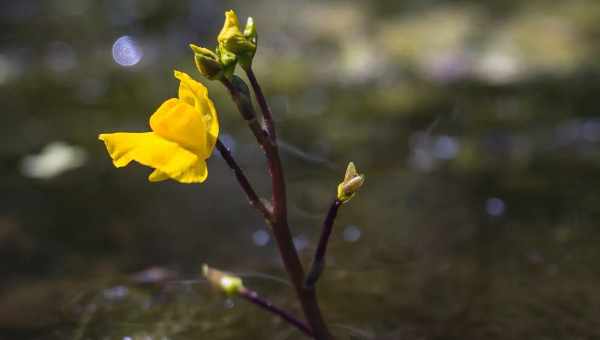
[(350, 185), (228, 61), (229, 284), (207, 62), (231, 39), (250, 30)]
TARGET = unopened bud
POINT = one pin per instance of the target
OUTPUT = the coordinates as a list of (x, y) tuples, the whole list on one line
[(350, 185), (229, 284), (231, 39), (207, 62)]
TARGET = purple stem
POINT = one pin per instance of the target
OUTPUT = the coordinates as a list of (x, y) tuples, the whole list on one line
[(319, 260), (244, 183), (253, 297)]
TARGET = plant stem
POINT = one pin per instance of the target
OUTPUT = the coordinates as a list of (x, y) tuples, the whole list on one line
[(262, 102), (255, 201), (254, 298), (281, 229), (319, 260)]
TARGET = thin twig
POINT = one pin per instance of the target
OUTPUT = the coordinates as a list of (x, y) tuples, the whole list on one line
[(253, 297), (255, 201), (262, 102), (318, 263)]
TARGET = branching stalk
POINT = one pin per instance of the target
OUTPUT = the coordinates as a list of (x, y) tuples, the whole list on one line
[(281, 231), (254, 199), (262, 102), (254, 298)]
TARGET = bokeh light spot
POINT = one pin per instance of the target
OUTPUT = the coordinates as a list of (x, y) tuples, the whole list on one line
[(352, 233), (126, 51), (261, 238), (495, 206)]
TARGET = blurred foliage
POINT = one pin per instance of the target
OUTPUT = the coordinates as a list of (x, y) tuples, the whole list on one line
[(475, 122)]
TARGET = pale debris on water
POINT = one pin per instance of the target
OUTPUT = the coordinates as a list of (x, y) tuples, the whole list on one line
[(53, 160)]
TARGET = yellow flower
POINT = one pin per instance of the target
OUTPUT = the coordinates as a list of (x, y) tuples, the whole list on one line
[(184, 133), (232, 40)]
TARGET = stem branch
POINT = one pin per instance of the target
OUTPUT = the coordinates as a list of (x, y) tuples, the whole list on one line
[(319, 260), (262, 102), (255, 201), (281, 230), (254, 298)]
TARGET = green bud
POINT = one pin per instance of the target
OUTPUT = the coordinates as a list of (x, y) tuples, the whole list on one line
[(229, 284), (207, 62), (231, 39), (350, 185), (228, 61)]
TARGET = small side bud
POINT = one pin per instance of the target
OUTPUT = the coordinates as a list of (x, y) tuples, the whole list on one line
[(229, 284), (207, 62), (350, 185), (250, 30)]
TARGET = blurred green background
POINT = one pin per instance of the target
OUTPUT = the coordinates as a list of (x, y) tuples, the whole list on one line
[(476, 123)]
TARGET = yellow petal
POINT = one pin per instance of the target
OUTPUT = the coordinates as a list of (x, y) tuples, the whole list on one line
[(179, 122), (150, 149), (196, 94), (231, 27), (157, 176)]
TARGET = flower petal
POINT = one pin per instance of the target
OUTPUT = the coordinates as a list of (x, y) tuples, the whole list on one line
[(196, 94), (179, 122), (157, 176), (150, 149)]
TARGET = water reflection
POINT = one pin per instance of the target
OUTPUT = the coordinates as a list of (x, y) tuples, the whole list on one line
[(352, 233), (126, 51), (54, 159), (301, 242), (60, 57), (261, 237), (495, 206)]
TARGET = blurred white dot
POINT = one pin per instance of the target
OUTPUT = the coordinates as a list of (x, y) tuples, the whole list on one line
[(300, 242), (127, 338), (495, 206), (115, 293), (91, 89), (60, 57), (351, 233), (568, 132), (499, 67), (591, 130), (228, 141), (229, 303), (446, 147), (55, 158), (126, 51), (260, 238), (8, 69)]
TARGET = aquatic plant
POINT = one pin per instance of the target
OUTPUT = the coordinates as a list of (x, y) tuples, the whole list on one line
[(184, 133)]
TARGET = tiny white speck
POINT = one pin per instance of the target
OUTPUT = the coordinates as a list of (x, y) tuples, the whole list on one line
[(495, 206), (261, 238), (352, 233)]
